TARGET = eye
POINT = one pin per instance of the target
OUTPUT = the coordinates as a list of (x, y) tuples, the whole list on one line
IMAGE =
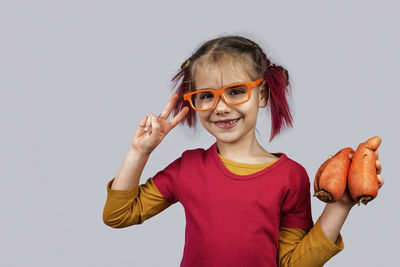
[(206, 95), (237, 90)]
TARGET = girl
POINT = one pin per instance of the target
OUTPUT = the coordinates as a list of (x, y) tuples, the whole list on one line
[(244, 206)]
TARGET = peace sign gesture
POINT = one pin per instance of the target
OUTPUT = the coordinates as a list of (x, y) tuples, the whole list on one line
[(153, 129)]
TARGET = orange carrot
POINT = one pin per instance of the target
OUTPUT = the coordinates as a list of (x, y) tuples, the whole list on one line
[(331, 178), (363, 180)]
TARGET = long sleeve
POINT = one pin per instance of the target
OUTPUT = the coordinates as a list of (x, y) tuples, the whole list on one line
[(124, 208), (298, 247)]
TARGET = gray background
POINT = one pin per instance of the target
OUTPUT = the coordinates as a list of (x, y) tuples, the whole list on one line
[(76, 77)]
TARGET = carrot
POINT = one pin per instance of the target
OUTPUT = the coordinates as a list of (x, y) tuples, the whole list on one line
[(331, 178), (363, 180)]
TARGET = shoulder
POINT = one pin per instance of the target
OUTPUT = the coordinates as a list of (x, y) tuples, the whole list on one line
[(193, 153), (295, 171), (186, 157), (295, 165)]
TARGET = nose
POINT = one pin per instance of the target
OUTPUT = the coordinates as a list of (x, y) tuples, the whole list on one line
[(221, 106)]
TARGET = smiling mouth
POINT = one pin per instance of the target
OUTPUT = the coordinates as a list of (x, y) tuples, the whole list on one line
[(226, 122)]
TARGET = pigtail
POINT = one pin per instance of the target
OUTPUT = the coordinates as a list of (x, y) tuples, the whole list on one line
[(277, 81), (184, 76)]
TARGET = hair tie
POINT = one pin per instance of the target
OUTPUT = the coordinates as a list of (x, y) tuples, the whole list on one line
[(187, 63)]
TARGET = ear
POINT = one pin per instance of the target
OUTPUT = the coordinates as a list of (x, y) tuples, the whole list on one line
[(262, 95)]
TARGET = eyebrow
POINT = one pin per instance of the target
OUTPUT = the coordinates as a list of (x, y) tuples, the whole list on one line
[(216, 89)]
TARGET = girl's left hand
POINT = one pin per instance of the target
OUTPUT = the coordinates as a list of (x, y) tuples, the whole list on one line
[(346, 199)]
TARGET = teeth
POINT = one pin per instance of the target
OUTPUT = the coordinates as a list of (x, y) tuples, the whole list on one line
[(229, 122)]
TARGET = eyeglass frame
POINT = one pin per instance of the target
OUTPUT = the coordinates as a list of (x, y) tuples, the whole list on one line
[(220, 93)]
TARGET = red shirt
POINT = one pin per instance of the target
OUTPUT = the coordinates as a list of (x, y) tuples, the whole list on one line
[(233, 220)]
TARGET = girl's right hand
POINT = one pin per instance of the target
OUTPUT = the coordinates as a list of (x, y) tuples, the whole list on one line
[(153, 129)]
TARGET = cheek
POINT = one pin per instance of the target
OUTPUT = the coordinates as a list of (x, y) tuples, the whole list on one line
[(250, 108), (203, 117), (250, 115)]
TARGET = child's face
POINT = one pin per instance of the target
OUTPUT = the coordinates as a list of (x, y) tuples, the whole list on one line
[(243, 117)]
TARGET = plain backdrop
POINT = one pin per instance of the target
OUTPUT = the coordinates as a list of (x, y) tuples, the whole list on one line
[(77, 76)]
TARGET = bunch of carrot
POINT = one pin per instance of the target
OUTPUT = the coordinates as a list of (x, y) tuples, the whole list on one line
[(358, 174)]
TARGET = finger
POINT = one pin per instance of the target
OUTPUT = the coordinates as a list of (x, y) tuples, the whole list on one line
[(168, 108), (175, 120), (140, 130), (330, 156), (380, 181), (142, 122), (378, 167), (155, 126), (147, 127)]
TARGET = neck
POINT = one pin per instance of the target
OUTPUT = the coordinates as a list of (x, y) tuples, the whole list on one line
[(247, 148)]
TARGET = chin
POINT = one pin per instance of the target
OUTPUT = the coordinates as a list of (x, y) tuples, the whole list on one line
[(227, 139), (220, 135)]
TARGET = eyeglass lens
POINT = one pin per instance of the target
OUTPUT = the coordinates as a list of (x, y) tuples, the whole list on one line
[(233, 95)]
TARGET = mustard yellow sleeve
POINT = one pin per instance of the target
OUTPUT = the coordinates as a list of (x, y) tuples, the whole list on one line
[(298, 247), (124, 208)]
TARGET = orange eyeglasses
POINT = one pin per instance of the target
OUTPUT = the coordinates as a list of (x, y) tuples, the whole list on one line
[(233, 94)]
